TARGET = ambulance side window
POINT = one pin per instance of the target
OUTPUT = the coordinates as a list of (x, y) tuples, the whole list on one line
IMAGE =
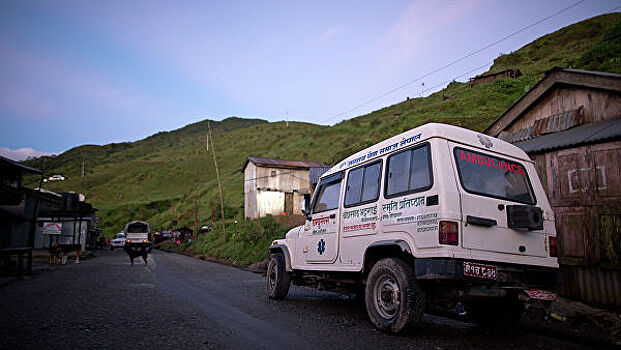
[(371, 183), (408, 171), (328, 197), (354, 187), (363, 184)]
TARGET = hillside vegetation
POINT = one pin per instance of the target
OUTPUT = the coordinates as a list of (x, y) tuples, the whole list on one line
[(154, 179)]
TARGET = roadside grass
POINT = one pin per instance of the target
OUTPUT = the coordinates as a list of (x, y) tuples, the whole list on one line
[(246, 241)]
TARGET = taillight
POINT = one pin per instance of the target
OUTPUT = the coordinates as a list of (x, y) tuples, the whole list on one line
[(553, 246), (448, 232)]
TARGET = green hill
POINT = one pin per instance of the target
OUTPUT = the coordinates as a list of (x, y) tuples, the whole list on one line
[(154, 179)]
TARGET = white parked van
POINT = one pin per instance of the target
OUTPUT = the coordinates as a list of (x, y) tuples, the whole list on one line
[(138, 235), (433, 216)]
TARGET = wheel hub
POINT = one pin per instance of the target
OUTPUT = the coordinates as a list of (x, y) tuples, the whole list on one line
[(387, 297), (271, 279)]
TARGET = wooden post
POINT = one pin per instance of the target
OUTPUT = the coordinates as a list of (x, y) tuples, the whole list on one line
[(33, 221), (215, 162)]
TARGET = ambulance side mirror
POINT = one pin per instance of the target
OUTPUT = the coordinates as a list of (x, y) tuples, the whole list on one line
[(305, 207)]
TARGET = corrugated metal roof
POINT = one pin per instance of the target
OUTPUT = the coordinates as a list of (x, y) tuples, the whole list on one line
[(281, 163), (316, 172), (584, 134), (14, 164), (552, 124), (583, 71), (556, 75)]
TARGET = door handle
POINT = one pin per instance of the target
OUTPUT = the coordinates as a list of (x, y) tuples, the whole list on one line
[(332, 216), (475, 220)]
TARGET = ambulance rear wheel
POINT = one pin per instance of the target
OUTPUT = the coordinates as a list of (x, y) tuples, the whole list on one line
[(278, 279), (393, 297)]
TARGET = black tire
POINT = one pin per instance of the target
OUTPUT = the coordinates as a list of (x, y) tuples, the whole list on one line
[(393, 298), (112, 248), (278, 279), (496, 314)]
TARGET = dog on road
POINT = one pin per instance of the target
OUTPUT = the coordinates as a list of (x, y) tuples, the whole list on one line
[(134, 253), (55, 254)]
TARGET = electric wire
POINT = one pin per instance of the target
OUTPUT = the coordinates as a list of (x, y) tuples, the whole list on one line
[(453, 62)]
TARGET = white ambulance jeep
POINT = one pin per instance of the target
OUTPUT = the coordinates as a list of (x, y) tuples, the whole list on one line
[(431, 217)]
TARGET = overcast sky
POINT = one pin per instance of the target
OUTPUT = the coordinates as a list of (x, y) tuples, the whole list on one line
[(96, 72)]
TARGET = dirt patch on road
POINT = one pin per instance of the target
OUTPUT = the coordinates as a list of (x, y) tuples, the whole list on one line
[(564, 318)]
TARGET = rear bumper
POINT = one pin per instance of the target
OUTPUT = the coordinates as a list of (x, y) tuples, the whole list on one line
[(507, 275)]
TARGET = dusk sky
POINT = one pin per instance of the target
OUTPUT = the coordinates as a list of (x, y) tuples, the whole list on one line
[(97, 72)]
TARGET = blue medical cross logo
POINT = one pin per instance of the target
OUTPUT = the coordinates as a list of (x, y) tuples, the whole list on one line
[(321, 246)]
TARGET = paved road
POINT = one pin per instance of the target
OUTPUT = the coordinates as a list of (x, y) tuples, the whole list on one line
[(177, 302)]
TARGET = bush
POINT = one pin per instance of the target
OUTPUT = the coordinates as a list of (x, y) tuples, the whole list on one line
[(246, 242)]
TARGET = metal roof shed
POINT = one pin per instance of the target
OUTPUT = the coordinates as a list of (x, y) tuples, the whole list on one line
[(276, 186), (569, 123)]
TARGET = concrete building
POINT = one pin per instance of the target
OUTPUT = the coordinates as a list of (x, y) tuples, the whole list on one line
[(569, 123), (75, 216), (276, 186)]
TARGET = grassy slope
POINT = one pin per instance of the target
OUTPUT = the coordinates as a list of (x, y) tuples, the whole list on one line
[(153, 179)]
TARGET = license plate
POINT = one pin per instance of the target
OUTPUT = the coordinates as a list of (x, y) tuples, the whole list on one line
[(480, 270), (541, 294)]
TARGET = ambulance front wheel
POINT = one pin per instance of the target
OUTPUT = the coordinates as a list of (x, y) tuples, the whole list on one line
[(278, 279)]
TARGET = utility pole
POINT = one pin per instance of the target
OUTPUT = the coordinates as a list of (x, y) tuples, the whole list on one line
[(215, 162), (196, 201)]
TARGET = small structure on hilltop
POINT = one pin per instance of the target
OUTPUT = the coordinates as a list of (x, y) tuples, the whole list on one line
[(277, 186), (511, 73), (569, 123)]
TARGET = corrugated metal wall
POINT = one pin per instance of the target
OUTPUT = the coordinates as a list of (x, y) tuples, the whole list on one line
[(583, 185), (593, 285)]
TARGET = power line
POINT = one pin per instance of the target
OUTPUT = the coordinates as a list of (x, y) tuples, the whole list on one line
[(459, 76), (454, 62), (289, 173)]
